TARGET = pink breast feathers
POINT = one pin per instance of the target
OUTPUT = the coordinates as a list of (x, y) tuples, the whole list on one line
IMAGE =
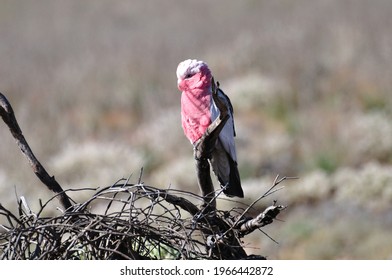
[(195, 115)]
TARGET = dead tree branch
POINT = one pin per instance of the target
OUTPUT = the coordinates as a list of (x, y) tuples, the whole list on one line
[(8, 117), (263, 219), (138, 222)]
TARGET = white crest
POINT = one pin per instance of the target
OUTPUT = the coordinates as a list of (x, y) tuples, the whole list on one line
[(189, 67)]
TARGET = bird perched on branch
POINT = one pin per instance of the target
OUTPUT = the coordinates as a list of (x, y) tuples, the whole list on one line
[(198, 111)]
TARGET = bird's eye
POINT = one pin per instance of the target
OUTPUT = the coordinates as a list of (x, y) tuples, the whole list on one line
[(187, 76)]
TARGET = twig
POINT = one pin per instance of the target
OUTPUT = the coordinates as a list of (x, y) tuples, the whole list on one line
[(263, 219), (8, 117), (276, 182), (154, 225)]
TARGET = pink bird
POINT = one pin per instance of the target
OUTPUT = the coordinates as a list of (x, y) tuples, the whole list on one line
[(198, 111)]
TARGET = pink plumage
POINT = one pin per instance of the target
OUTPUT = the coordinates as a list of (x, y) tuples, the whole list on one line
[(195, 84), (198, 111)]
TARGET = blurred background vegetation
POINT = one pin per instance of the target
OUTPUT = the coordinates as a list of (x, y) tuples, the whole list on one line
[(93, 86)]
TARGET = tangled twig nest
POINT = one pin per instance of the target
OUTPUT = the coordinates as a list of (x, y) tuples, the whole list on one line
[(130, 221)]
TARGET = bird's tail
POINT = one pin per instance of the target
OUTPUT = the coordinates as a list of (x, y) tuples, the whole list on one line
[(233, 188)]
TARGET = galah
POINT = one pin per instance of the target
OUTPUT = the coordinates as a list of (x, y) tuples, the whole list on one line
[(198, 111)]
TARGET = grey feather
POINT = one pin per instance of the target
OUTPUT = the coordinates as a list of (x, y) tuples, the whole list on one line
[(224, 156)]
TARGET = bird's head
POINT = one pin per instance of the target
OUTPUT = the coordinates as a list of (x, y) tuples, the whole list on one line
[(193, 74)]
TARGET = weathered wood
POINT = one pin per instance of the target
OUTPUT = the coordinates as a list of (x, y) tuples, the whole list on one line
[(263, 219), (8, 117), (205, 183)]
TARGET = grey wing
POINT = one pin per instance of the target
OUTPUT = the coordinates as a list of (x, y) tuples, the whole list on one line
[(228, 132)]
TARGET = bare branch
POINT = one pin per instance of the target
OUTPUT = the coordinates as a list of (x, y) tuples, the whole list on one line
[(8, 117), (276, 182), (263, 219), (139, 222)]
